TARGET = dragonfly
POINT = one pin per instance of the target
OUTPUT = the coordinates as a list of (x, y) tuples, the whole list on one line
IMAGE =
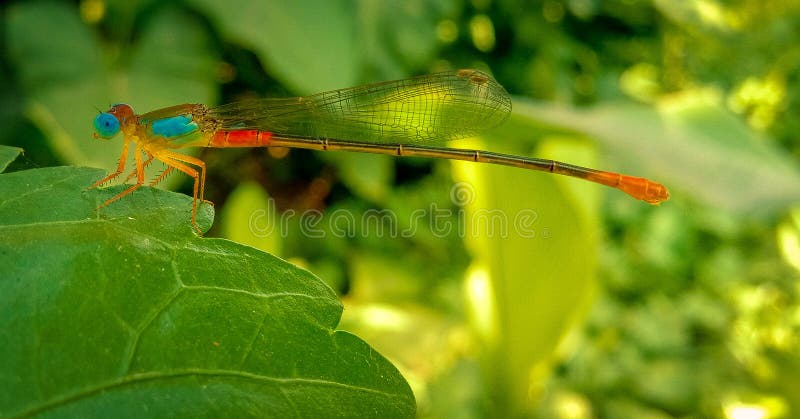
[(409, 117)]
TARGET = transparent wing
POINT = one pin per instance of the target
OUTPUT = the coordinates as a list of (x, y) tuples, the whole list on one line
[(426, 109)]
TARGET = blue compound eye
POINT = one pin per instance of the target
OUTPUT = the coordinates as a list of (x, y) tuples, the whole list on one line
[(106, 125)]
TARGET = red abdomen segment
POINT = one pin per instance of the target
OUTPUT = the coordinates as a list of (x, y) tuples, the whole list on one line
[(240, 138), (637, 187)]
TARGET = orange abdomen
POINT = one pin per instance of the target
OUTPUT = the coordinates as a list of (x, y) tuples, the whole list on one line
[(240, 138)]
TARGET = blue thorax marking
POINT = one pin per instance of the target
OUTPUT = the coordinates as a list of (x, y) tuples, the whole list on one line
[(174, 126)]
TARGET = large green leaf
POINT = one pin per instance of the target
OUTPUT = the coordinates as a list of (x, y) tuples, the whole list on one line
[(125, 312), (367, 175), (524, 303), (7, 155), (309, 45), (397, 35), (249, 217), (318, 45)]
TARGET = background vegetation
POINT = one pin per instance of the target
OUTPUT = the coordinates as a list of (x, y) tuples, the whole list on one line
[(613, 308)]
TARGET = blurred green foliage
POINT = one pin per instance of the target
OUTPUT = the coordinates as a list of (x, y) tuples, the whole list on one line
[(614, 309)]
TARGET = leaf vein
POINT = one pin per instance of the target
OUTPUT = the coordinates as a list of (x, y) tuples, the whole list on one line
[(39, 189), (134, 345), (195, 372), (254, 294)]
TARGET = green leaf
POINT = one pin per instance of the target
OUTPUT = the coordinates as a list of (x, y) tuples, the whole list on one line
[(126, 312), (309, 45), (8, 155), (250, 217), (692, 146), (368, 175), (173, 62), (523, 303), (55, 67), (396, 36)]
